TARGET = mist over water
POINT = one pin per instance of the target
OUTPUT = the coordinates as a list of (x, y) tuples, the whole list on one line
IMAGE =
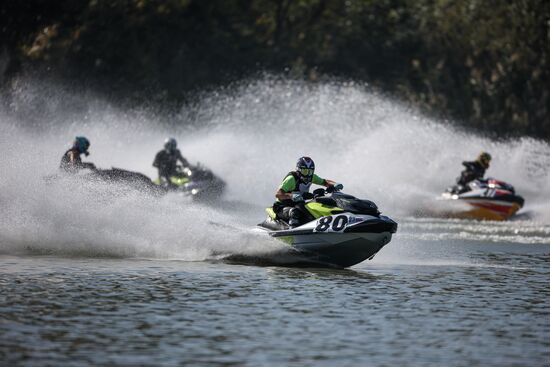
[(249, 134)]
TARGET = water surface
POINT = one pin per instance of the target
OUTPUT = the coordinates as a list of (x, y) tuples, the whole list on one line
[(420, 302)]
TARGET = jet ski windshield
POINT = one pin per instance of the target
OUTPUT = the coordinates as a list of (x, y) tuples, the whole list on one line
[(350, 204)]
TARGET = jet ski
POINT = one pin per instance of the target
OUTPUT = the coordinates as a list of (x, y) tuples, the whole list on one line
[(196, 181), (488, 199), (135, 180), (89, 172), (340, 231)]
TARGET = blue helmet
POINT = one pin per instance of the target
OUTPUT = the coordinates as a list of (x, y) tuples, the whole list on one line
[(82, 144), (305, 167)]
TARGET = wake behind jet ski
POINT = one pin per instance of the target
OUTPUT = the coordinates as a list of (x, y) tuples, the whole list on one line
[(488, 199), (340, 230)]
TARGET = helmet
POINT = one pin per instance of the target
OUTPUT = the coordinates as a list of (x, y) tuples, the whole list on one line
[(170, 144), (305, 168), (82, 144), (484, 159)]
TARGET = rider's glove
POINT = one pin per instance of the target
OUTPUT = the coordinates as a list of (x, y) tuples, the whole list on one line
[(297, 197), (338, 186)]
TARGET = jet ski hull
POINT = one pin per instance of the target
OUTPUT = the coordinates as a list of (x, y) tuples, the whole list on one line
[(204, 190), (197, 182), (340, 248), (481, 208), (488, 199), (116, 176)]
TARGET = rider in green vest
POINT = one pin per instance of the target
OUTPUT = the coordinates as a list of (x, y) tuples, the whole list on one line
[(295, 189)]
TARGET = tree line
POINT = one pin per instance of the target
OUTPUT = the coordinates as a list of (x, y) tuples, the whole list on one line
[(485, 63)]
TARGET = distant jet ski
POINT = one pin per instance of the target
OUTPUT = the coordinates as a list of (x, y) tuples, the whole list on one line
[(118, 176), (136, 180), (488, 199), (341, 230), (196, 181)]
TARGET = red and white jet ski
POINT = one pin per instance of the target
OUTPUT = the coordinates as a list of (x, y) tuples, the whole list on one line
[(488, 199)]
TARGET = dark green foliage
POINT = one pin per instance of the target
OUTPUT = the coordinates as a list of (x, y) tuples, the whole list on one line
[(485, 62)]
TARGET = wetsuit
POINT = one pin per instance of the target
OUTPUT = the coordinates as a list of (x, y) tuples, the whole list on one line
[(71, 162), (474, 171), (287, 209), (167, 162)]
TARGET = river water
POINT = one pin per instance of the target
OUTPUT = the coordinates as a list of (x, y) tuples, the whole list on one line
[(98, 275), (455, 302)]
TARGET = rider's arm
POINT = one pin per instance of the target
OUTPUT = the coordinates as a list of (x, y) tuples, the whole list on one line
[(478, 173), (76, 162), (285, 190), (74, 157), (156, 162), (281, 195), (469, 165), (322, 181)]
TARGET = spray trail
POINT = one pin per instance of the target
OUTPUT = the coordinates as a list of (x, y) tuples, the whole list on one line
[(250, 135), (376, 147)]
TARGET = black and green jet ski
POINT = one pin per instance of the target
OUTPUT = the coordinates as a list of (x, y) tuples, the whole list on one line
[(196, 181), (341, 230)]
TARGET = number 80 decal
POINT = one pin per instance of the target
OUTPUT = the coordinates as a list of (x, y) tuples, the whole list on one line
[(331, 224)]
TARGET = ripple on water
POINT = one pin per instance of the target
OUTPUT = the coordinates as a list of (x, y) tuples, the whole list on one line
[(142, 311)]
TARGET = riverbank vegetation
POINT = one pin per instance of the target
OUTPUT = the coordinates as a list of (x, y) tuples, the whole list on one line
[(484, 63)]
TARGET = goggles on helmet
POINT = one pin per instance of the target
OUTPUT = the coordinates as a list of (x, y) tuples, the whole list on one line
[(306, 171)]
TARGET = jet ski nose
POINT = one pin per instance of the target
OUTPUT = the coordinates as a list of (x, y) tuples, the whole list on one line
[(374, 225)]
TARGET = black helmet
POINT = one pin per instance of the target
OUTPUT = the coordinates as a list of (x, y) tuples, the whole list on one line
[(170, 144), (484, 159), (305, 167)]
